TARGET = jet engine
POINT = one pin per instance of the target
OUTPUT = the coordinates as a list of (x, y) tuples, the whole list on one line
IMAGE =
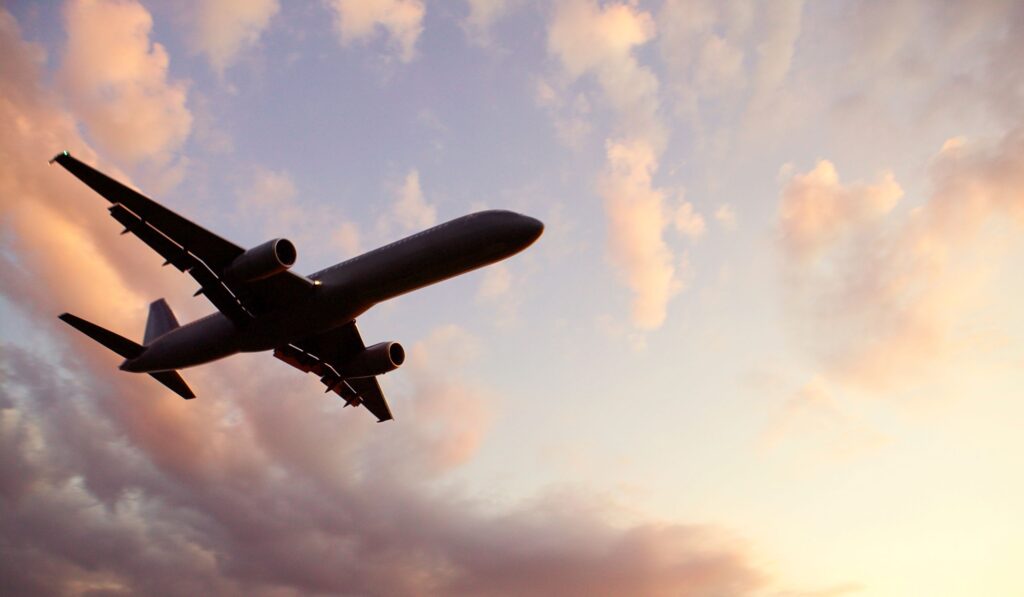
[(263, 261), (375, 360)]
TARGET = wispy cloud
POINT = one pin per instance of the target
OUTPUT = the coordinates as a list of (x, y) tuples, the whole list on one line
[(222, 29), (358, 21), (895, 287), (600, 41)]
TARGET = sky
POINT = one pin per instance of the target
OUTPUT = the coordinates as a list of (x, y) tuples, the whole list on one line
[(769, 344)]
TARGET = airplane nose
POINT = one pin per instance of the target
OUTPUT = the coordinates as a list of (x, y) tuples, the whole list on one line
[(531, 228)]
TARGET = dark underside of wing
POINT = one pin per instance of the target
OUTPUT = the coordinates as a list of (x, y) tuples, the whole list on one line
[(206, 257), (323, 355), (191, 248)]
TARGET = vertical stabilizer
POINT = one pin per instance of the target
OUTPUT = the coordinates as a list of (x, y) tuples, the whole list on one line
[(161, 320)]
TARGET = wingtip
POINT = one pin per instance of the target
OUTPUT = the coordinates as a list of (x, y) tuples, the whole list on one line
[(63, 154)]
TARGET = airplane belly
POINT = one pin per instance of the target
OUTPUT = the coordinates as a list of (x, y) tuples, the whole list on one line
[(326, 311), (199, 342)]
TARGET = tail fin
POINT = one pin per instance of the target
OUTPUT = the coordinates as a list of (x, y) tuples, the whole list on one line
[(161, 320), (129, 350)]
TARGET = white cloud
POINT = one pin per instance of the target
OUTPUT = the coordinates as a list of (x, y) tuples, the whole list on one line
[(118, 80), (688, 222), (496, 283), (410, 211), (346, 238), (358, 21), (482, 15), (223, 28), (589, 39), (726, 216)]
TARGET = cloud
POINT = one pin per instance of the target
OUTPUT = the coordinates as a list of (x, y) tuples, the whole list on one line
[(358, 21), (636, 221), (898, 291), (591, 40), (816, 210), (270, 200), (346, 238), (224, 28), (482, 15), (813, 416), (295, 503), (726, 216), (496, 283), (724, 56), (410, 210), (688, 222), (117, 81)]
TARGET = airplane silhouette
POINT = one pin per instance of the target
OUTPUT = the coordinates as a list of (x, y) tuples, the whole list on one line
[(308, 321)]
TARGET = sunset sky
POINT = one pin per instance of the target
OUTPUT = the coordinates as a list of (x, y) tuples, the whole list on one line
[(770, 344)]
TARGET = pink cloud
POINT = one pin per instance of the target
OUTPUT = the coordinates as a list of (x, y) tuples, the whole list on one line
[(118, 81), (895, 291), (636, 221)]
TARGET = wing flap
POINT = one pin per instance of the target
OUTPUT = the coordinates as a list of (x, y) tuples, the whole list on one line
[(322, 355), (191, 248), (178, 256)]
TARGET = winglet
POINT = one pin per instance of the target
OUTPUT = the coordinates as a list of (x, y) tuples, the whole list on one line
[(57, 157)]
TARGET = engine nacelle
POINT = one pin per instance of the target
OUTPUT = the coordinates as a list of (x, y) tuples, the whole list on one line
[(375, 360), (263, 261)]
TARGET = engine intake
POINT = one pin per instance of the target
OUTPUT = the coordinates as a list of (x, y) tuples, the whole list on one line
[(263, 261), (375, 360)]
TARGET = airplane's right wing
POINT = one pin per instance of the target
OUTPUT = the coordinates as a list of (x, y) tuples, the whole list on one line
[(190, 248), (323, 355)]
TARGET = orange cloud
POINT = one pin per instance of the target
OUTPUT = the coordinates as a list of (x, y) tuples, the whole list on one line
[(636, 221), (118, 81), (589, 39), (897, 292), (816, 210)]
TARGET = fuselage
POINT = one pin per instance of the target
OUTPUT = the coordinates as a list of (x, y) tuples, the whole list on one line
[(344, 291)]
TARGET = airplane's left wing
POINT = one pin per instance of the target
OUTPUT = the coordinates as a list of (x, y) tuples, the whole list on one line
[(323, 355), (190, 248)]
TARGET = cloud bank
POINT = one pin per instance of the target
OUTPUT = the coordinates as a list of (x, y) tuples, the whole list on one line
[(894, 289)]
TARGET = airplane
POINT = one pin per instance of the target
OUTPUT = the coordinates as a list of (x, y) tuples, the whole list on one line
[(307, 321)]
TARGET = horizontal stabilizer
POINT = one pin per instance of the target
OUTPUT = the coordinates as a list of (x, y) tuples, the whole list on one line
[(173, 380), (119, 344)]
